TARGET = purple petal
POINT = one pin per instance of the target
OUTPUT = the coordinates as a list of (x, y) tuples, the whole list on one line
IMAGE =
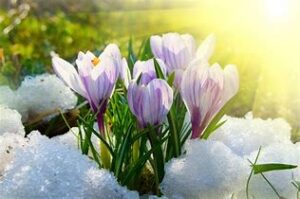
[(68, 74), (156, 46)]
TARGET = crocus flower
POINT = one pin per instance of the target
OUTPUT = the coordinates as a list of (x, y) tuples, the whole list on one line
[(95, 79), (147, 69), (150, 103), (113, 51), (205, 90), (177, 51), (149, 98)]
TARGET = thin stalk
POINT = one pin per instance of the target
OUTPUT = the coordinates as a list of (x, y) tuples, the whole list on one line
[(175, 143), (104, 153), (276, 192), (252, 170), (158, 159), (135, 150)]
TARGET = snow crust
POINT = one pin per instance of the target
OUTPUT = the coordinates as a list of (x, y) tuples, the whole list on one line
[(39, 95)]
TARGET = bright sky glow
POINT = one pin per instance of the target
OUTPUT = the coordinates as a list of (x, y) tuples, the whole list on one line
[(277, 8)]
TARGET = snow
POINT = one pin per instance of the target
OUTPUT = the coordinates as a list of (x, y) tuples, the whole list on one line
[(71, 139), (45, 94), (209, 169), (10, 99), (245, 135), (287, 153), (10, 121), (39, 95), (38, 167), (9, 143), (219, 167), (48, 169)]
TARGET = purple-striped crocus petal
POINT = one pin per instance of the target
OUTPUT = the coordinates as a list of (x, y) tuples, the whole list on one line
[(135, 99), (68, 74), (190, 43), (147, 69), (103, 79), (176, 54), (161, 99), (201, 91), (84, 63), (231, 82), (113, 51), (156, 46), (206, 49), (150, 103), (86, 67)]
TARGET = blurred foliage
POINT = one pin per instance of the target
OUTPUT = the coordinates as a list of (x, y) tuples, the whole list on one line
[(27, 45)]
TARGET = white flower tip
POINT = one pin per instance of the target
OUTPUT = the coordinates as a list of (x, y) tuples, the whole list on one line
[(207, 47), (53, 54)]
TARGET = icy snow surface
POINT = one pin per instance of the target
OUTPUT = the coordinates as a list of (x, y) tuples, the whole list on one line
[(10, 121), (287, 153), (9, 144), (208, 170), (70, 139), (48, 169), (218, 168), (42, 94), (245, 135)]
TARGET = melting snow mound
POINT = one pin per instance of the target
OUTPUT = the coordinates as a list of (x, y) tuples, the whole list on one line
[(39, 95), (246, 135), (208, 170), (48, 169), (10, 122)]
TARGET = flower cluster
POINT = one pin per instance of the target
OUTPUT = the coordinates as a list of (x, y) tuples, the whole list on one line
[(176, 79)]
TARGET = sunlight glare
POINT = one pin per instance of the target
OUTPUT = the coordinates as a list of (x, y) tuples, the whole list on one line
[(277, 8)]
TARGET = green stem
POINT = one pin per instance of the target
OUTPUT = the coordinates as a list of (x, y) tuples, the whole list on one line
[(105, 156), (136, 149), (276, 192), (158, 159), (251, 173), (175, 144), (104, 153)]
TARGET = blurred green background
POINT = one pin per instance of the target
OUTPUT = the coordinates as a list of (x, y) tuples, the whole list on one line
[(261, 37)]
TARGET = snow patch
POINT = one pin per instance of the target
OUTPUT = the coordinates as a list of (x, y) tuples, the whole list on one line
[(209, 169), (39, 95), (48, 169), (245, 135)]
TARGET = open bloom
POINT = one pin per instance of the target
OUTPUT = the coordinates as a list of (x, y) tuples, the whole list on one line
[(149, 99), (205, 90), (95, 79), (113, 51), (177, 51)]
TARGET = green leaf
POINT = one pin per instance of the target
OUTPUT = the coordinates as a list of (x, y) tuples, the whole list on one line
[(122, 151), (147, 52), (174, 141), (158, 70), (171, 79), (131, 56), (215, 122), (261, 168)]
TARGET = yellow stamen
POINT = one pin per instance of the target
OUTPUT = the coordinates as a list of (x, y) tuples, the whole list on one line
[(95, 61)]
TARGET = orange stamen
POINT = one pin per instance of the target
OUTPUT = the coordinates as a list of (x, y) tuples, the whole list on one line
[(95, 61)]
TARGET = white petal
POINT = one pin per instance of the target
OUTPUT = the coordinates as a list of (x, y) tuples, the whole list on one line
[(68, 74), (217, 74), (231, 82), (190, 43), (156, 46), (84, 64), (206, 49), (125, 73)]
